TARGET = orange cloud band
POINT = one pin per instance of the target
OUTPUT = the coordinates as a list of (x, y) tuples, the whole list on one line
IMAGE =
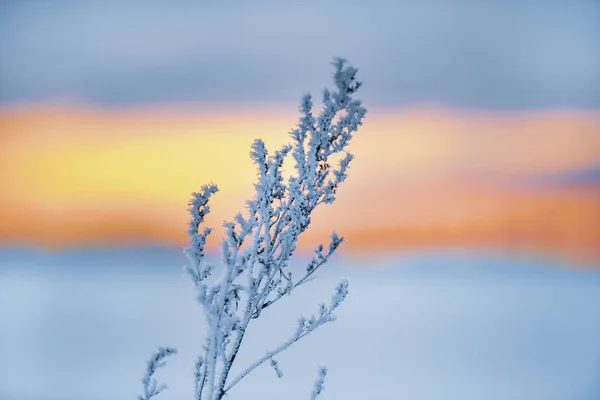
[(422, 177)]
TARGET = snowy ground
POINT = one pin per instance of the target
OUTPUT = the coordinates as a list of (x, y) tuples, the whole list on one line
[(81, 325)]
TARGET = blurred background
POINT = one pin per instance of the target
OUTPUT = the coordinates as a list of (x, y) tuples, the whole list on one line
[(471, 212)]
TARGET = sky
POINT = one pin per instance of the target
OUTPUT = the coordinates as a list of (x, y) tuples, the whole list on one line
[(468, 54), (483, 126)]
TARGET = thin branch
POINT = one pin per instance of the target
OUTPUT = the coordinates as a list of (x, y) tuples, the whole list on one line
[(271, 354)]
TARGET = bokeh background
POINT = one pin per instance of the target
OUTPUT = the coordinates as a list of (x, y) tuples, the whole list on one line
[(471, 213)]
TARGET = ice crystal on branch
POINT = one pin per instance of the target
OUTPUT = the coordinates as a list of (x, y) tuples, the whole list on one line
[(319, 383), (151, 386), (257, 246)]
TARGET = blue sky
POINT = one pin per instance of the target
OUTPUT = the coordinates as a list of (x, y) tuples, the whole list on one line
[(512, 54)]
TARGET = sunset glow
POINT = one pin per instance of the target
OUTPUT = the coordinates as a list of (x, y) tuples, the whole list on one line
[(436, 177)]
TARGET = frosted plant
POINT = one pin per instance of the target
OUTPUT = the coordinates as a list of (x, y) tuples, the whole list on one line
[(257, 246), (151, 386)]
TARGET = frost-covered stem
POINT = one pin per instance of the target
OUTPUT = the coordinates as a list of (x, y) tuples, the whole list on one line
[(318, 388), (305, 327), (151, 386), (214, 353), (231, 358), (199, 376), (268, 356), (312, 268)]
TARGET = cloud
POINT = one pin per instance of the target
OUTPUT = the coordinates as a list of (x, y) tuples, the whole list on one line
[(421, 177), (583, 176), (503, 55)]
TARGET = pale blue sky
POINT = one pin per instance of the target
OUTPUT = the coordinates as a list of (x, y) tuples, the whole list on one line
[(501, 54)]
